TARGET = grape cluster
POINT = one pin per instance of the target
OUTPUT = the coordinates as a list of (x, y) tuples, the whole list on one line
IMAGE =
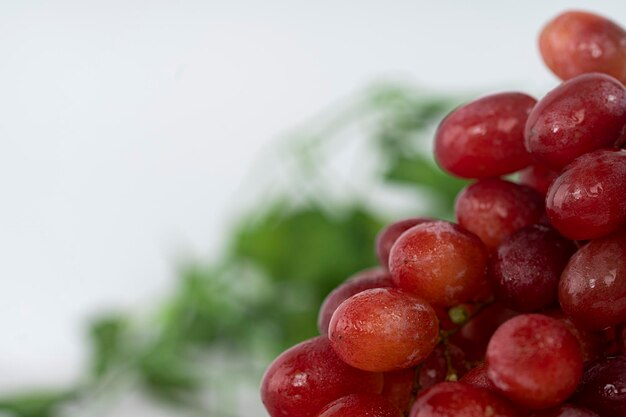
[(518, 309)]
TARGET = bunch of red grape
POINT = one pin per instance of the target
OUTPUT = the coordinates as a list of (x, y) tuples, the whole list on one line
[(519, 309)]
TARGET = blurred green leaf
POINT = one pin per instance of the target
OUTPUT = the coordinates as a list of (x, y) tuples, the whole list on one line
[(107, 343), (35, 404)]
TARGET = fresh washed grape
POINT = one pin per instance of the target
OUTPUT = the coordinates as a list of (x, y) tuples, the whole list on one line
[(359, 405), (439, 261), (485, 138), (534, 361), (310, 375), (383, 329)]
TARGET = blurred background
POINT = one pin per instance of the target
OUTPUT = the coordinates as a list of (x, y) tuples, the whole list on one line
[(182, 182)]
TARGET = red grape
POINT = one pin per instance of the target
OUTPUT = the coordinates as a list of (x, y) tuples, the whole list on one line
[(474, 336), (526, 268), (361, 281), (494, 209), (579, 116), (603, 387), (591, 342), (383, 329), (566, 410), (439, 261), (454, 399), (359, 405), (399, 388), (535, 361), (485, 138), (538, 177), (621, 338), (310, 375), (593, 285), (577, 42), (388, 236), (587, 200), (478, 377)]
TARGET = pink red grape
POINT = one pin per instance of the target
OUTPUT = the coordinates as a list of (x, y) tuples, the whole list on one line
[(579, 116), (310, 375), (388, 236), (454, 399), (494, 209), (578, 42), (359, 405), (592, 289), (485, 138), (526, 268), (566, 410), (383, 329), (439, 261), (535, 361), (587, 200), (361, 281)]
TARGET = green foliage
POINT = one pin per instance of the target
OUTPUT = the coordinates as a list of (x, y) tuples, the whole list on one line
[(281, 261)]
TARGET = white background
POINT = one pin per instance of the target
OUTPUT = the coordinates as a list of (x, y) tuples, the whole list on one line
[(126, 129)]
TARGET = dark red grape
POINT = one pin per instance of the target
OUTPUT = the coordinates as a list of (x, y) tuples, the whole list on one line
[(388, 236), (593, 285), (621, 338), (383, 329), (399, 388), (359, 405), (494, 209), (603, 387), (587, 200), (361, 281), (526, 268), (310, 375), (534, 361), (445, 361), (439, 261), (454, 399), (579, 116), (538, 177), (578, 42), (474, 336), (566, 410), (485, 138)]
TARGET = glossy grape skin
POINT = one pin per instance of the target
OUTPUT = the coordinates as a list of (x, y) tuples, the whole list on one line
[(474, 336), (361, 281), (399, 387), (494, 209), (534, 361), (439, 261), (587, 200), (578, 42), (383, 329), (538, 177), (592, 290), (579, 116), (310, 375), (527, 266), (389, 234), (360, 405), (454, 399), (485, 138), (566, 410), (603, 387)]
